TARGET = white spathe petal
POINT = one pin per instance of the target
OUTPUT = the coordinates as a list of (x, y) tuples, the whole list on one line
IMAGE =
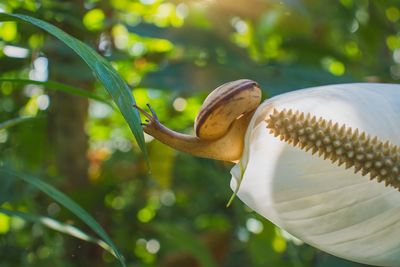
[(325, 205)]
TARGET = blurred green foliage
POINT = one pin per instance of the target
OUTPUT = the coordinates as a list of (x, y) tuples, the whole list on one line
[(172, 53)]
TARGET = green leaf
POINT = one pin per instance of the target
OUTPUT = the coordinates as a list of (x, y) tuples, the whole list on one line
[(58, 226), (60, 87), (12, 122), (69, 204), (188, 242), (108, 76)]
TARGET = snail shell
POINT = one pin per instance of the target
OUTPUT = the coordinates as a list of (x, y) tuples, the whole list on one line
[(224, 105)]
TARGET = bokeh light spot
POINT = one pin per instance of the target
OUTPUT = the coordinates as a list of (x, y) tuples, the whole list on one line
[(392, 14), (43, 102), (393, 42), (243, 235), (3, 136), (120, 36), (254, 226), (145, 215), (15, 51), (179, 104), (352, 49), (53, 209), (4, 223), (182, 10), (334, 66), (153, 246), (396, 56), (8, 31), (94, 19), (167, 198), (279, 244)]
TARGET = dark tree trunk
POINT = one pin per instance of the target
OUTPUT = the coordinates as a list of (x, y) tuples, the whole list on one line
[(67, 119), (68, 113)]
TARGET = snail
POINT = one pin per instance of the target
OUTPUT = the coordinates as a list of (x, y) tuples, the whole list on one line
[(322, 163), (220, 125)]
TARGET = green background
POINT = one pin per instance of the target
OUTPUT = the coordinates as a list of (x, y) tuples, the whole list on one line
[(171, 54)]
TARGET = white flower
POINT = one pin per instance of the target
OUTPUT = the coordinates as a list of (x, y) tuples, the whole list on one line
[(323, 204)]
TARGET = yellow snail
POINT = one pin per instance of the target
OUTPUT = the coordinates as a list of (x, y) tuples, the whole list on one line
[(322, 163)]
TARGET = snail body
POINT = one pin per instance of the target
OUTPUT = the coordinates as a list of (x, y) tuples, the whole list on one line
[(220, 125)]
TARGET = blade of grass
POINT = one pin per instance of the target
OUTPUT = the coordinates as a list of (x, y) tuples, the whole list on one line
[(108, 76), (69, 204), (12, 122), (60, 87), (59, 226)]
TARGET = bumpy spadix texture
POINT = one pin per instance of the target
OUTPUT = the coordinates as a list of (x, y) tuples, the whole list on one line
[(339, 143), (326, 205)]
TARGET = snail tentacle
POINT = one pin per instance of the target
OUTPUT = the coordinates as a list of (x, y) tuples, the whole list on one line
[(150, 117)]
